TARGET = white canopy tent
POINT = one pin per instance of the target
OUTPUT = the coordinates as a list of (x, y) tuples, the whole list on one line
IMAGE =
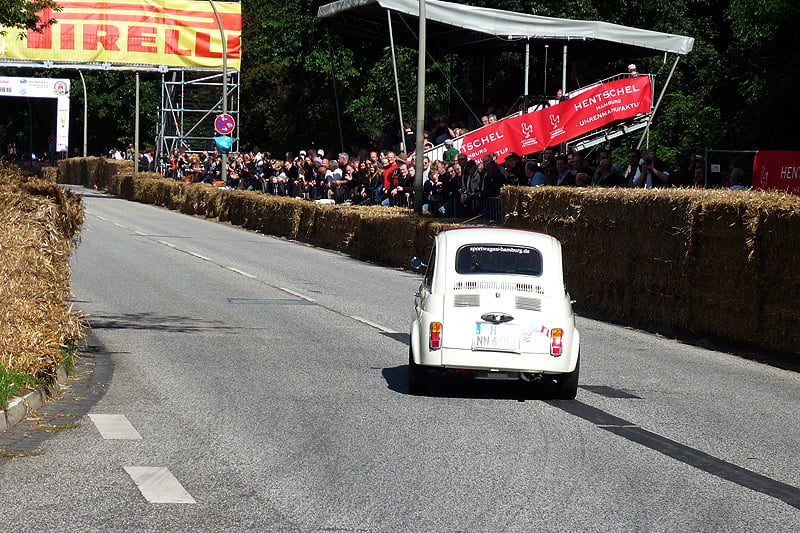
[(454, 26), (472, 25)]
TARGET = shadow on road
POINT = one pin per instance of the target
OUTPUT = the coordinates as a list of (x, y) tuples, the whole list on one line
[(456, 385), (153, 322)]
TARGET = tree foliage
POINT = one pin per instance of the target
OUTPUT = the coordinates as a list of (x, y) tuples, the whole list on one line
[(23, 14), (732, 91)]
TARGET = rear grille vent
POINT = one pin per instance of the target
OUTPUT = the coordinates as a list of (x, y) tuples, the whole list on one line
[(467, 300), (497, 285), (528, 304)]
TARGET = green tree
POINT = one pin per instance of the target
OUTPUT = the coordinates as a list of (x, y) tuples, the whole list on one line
[(24, 14)]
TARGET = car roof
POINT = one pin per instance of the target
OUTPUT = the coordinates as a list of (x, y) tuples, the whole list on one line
[(493, 235), (451, 240)]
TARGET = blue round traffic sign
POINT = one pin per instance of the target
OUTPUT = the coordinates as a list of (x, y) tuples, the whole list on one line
[(224, 124)]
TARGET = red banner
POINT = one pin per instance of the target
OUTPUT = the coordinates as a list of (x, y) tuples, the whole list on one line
[(777, 170), (581, 113)]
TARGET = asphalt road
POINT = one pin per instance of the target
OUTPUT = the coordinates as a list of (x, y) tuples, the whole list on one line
[(238, 382)]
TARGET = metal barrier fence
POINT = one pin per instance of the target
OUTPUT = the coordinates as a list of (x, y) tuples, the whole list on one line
[(719, 163)]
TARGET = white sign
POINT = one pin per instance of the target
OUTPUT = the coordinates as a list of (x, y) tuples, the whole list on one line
[(44, 88)]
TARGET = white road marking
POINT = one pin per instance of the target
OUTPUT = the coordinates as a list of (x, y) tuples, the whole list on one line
[(137, 232), (204, 258), (117, 224), (245, 274), (373, 324), (304, 297), (166, 244), (158, 485), (104, 219), (115, 427)]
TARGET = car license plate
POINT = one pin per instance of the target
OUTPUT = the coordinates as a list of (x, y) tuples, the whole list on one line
[(496, 337)]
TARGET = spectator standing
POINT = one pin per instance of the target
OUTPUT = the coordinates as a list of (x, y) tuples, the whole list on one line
[(699, 177), (493, 180), (737, 180), (606, 177), (390, 139), (399, 190), (633, 170), (564, 176), (375, 182), (388, 167), (442, 131), (450, 152), (408, 140), (695, 161), (534, 176), (373, 157), (653, 173), (432, 188), (471, 188), (548, 158), (515, 170), (450, 187)]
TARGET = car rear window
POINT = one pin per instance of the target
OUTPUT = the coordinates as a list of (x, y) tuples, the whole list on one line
[(498, 259)]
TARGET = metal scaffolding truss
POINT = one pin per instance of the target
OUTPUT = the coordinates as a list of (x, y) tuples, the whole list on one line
[(191, 99)]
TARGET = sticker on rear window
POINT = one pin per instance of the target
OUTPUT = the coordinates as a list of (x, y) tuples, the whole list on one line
[(498, 259)]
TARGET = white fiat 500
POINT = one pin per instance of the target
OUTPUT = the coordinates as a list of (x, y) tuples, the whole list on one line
[(492, 302)]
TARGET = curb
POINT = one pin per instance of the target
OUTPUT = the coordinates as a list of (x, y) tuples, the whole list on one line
[(20, 406)]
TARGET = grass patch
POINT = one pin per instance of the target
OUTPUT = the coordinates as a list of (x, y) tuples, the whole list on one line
[(67, 354), (56, 428), (11, 455), (11, 382)]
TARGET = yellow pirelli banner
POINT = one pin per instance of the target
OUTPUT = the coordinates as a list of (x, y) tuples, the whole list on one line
[(175, 33)]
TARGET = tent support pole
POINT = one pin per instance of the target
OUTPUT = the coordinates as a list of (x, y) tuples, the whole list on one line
[(483, 78), (564, 73), (397, 86), (136, 131), (658, 102), (544, 88), (527, 76), (420, 150), (335, 93)]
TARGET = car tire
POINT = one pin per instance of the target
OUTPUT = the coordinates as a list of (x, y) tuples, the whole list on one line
[(418, 379), (567, 384)]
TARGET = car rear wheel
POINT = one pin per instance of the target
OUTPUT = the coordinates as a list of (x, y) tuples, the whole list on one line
[(417, 376), (567, 384)]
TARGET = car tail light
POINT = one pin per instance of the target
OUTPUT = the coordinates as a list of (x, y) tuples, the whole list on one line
[(436, 335), (555, 341)]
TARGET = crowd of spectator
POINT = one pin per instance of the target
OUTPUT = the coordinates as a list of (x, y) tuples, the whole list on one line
[(453, 185)]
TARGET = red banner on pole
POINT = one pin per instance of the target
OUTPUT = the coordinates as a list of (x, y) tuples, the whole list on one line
[(583, 112), (777, 170)]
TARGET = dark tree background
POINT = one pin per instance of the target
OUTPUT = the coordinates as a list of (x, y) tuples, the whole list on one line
[(735, 90)]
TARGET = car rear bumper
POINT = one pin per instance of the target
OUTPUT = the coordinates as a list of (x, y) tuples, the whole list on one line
[(499, 361)]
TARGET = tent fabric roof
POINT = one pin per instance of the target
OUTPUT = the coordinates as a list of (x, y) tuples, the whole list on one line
[(481, 23)]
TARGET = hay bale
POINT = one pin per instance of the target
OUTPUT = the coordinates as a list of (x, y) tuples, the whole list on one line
[(37, 223), (389, 235), (282, 217), (308, 216), (50, 174), (775, 246), (427, 230), (337, 226), (204, 199)]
